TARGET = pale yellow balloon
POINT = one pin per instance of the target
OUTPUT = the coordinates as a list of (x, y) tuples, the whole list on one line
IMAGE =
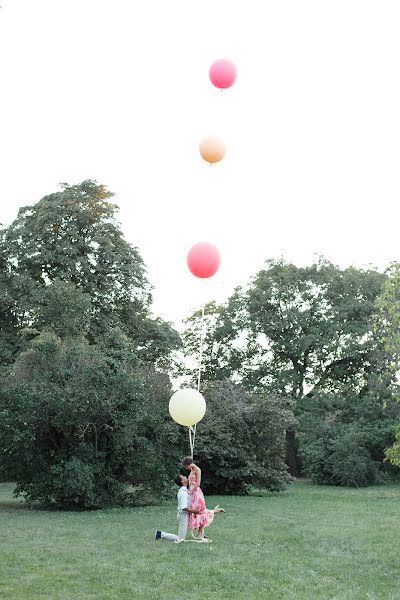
[(212, 149), (187, 407)]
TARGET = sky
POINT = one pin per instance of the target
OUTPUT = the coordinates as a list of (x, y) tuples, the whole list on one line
[(118, 91)]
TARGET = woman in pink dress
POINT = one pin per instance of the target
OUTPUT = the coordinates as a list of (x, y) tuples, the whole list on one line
[(205, 517)]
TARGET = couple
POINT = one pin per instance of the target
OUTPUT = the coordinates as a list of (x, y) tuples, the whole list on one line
[(192, 511)]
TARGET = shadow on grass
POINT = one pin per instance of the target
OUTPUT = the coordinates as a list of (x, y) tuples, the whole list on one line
[(9, 502), (14, 506)]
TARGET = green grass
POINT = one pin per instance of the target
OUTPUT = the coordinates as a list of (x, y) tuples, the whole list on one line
[(310, 543)]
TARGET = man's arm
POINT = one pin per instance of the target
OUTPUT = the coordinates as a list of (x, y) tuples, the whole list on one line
[(194, 511)]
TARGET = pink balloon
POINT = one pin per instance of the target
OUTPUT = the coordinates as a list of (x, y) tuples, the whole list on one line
[(203, 260), (223, 73)]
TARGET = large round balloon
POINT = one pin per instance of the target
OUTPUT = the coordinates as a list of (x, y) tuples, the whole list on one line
[(203, 260), (212, 149), (187, 407), (223, 73)]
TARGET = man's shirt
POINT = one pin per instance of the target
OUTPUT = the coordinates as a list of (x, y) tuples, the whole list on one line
[(183, 499)]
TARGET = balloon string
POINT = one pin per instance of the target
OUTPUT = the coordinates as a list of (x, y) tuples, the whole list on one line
[(194, 437), (192, 441), (201, 347)]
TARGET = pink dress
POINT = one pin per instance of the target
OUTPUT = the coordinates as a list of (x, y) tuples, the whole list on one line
[(205, 517)]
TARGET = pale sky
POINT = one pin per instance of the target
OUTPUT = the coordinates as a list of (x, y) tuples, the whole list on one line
[(118, 91)]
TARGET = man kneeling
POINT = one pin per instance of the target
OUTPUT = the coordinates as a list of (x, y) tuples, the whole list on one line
[(183, 512)]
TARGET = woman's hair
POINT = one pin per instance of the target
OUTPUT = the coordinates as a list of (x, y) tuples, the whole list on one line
[(178, 480), (187, 461)]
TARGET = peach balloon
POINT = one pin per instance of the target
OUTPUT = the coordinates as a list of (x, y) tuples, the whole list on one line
[(212, 149)]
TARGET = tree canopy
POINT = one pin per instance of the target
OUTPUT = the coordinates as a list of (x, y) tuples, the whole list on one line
[(73, 236), (389, 330), (300, 332)]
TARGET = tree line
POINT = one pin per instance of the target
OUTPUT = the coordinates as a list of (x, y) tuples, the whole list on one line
[(300, 368)]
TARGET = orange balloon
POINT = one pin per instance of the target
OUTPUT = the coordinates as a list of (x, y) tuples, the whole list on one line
[(212, 149)]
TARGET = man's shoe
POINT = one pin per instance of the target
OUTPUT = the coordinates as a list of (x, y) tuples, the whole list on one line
[(158, 535), (178, 541)]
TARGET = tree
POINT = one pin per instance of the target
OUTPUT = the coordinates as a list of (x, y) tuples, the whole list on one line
[(241, 440), (73, 236), (9, 343), (388, 327), (63, 309), (343, 437), (86, 426), (296, 331)]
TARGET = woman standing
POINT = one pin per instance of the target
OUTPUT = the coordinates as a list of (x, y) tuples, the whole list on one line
[(205, 517)]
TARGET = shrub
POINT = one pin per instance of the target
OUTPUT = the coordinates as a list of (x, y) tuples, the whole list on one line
[(80, 425), (241, 440), (341, 454)]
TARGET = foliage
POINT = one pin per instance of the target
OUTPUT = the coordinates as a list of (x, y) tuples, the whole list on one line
[(393, 453), (8, 320), (344, 435), (63, 309), (80, 424), (298, 332), (388, 327), (73, 236), (295, 330), (338, 456), (241, 440)]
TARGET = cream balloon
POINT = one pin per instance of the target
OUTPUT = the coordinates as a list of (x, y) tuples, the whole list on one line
[(187, 407), (212, 149)]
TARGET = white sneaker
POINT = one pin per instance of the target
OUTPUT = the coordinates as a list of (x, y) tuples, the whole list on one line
[(178, 541)]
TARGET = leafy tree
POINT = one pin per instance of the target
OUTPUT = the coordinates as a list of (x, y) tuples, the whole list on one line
[(241, 441), (388, 328), (295, 331), (73, 236), (63, 309), (343, 438), (84, 425), (9, 343)]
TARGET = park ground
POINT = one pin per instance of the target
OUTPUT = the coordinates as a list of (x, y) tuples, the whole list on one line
[(308, 543)]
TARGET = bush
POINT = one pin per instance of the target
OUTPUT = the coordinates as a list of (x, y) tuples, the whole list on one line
[(342, 454), (81, 425), (393, 453), (241, 440)]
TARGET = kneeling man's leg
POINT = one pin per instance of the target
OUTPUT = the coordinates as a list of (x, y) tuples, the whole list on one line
[(183, 521), (168, 536)]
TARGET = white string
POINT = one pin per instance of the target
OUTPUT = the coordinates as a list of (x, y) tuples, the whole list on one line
[(191, 442), (202, 331), (201, 347)]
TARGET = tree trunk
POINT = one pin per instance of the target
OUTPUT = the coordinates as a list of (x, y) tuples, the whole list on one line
[(292, 459)]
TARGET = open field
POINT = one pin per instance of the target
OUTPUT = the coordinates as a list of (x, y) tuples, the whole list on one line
[(310, 543)]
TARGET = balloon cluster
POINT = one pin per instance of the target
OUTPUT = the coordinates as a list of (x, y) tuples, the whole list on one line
[(187, 406)]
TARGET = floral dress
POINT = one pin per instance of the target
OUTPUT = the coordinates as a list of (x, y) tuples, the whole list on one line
[(205, 517)]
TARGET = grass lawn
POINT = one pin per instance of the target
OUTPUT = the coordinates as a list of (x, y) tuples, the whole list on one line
[(309, 543)]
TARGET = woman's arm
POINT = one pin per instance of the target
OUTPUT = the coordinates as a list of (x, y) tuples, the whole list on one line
[(194, 511)]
